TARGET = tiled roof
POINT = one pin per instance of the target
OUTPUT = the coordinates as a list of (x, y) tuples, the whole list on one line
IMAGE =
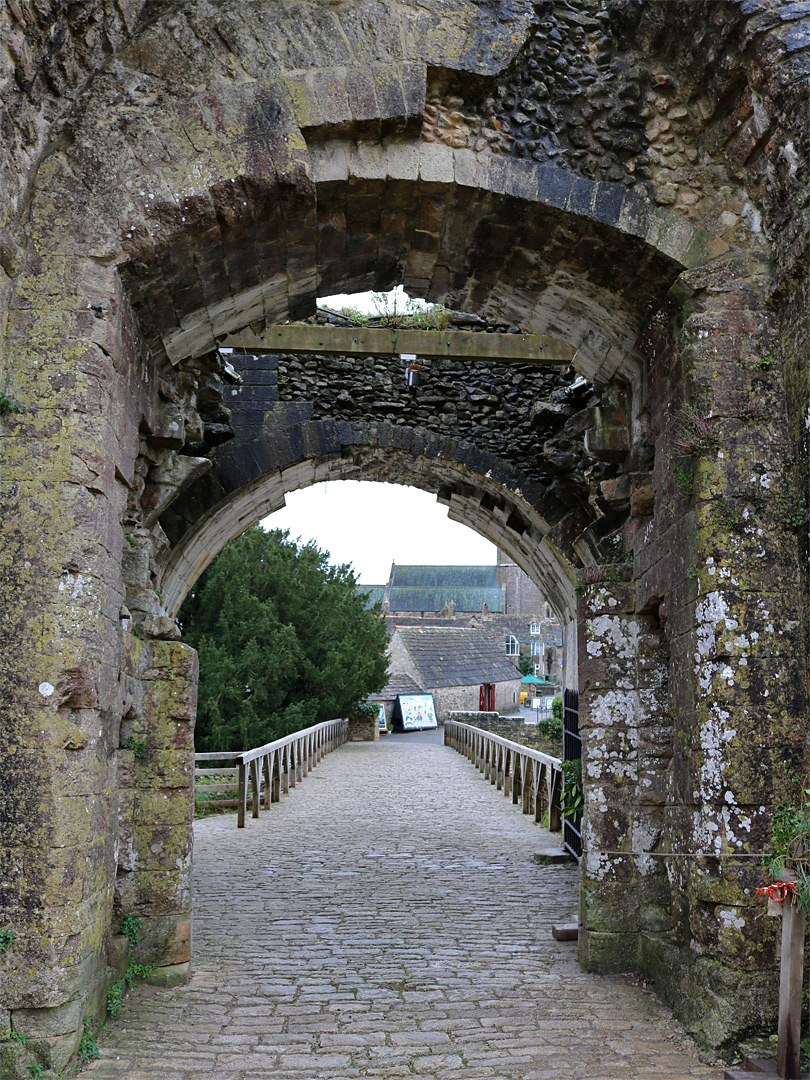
[(435, 598), (397, 684), (374, 594), (445, 577), (458, 656), (520, 626)]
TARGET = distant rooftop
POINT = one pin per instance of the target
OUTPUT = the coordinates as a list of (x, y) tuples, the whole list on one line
[(476, 577), (470, 598), (397, 684), (374, 594), (457, 656)]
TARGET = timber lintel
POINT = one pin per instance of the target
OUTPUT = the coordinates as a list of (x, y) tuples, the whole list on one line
[(385, 341)]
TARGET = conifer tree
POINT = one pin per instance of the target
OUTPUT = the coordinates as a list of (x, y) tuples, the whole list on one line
[(284, 641)]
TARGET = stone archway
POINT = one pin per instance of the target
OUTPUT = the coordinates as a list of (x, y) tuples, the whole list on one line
[(629, 177)]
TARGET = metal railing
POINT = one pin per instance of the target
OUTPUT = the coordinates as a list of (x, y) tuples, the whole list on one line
[(269, 770), (572, 751), (532, 778)]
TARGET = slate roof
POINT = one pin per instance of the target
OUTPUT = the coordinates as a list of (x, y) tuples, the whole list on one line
[(446, 577), (434, 598), (520, 625), (373, 593), (457, 656), (397, 684)]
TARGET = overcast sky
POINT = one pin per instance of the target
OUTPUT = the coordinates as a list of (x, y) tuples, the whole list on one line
[(370, 525)]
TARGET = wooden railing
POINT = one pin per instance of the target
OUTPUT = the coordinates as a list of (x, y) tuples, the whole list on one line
[(532, 778), (269, 770)]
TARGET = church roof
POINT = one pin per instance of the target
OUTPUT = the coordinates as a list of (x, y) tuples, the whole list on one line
[(461, 577), (435, 598)]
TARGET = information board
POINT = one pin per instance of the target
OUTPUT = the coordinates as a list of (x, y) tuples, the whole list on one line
[(417, 711)]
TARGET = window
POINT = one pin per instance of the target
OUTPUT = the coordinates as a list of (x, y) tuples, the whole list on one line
[(537, 671), (537, 648), (512, 645), (534, 628), (547, 611)]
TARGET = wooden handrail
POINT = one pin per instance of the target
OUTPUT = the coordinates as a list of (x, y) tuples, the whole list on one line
[(528, 775), (274, 768)]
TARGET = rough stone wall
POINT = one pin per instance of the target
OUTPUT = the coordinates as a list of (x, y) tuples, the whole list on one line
[(400, 660), (450, 699), (174, 173), (509, 727), (156, 800), (627, 741)]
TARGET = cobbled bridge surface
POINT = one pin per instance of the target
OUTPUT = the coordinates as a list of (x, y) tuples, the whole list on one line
[(386, 920)]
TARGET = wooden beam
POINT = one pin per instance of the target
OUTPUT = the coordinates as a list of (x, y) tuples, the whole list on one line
[(383, 341), (788, 1049)]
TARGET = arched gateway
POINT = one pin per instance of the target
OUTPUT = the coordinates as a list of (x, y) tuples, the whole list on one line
[(627, 177)]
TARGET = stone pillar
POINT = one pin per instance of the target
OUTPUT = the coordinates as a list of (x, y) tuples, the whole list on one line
[(626, 750), (68, 448), (363, 729), (608, 723), (156, 803), (722, 553)]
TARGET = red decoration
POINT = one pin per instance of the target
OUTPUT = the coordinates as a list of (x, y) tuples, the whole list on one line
[(778, 891)]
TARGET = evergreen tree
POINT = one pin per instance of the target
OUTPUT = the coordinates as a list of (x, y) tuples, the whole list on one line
[(284, 642)]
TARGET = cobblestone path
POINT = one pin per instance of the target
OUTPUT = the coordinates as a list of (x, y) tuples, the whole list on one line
[(386, 919)]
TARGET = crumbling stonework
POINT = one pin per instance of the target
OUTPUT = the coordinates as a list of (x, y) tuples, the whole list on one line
[(630, 177)]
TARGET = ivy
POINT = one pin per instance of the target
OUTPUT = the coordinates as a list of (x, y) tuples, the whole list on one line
[(790, 846), (573, 796)]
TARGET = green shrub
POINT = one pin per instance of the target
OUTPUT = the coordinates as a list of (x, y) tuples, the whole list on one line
[(550, 727)]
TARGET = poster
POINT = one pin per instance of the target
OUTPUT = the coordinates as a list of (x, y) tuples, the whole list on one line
[(417, 711), (382, 722)]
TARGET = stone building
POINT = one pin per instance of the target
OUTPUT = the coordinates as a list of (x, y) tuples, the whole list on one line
[(500, 596), (628, 181), (463, 667)]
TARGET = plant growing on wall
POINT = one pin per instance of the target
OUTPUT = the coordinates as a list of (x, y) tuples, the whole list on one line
[(790, 846), (573, 796)]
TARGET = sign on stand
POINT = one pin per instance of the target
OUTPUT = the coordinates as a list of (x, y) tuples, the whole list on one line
[(415, 712)]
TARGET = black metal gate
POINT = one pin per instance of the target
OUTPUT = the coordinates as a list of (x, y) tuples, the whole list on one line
[(572, 751)]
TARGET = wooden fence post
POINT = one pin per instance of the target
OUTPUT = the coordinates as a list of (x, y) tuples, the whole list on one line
[(788, 1050), (242, 796)]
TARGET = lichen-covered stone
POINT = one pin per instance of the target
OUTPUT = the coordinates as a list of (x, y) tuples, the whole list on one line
[(630, 177)]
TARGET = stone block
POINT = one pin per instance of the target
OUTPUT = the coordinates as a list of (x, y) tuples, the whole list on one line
[(45, 1023), (330, 92), (609, 907), (553, 185), (367, 161), (581, 196), (153, 894), (388, 91), (169, 976), (608, 952), (413, 78), (612, 598), (608, 824), (436, 163), (362, 99), (164, 940), (117, 957), (609, 203)]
